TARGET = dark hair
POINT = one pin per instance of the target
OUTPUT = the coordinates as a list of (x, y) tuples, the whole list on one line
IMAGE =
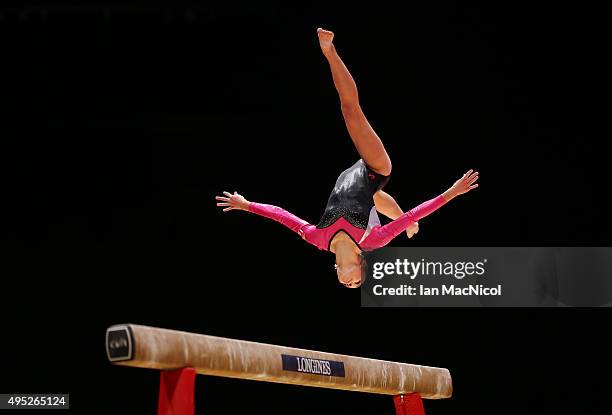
[(364, 267)]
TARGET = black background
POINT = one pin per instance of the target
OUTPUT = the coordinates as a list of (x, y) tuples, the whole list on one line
[(122, 123)]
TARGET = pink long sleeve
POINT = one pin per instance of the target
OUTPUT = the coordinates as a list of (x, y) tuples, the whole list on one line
[(280, 215), (381, 236)]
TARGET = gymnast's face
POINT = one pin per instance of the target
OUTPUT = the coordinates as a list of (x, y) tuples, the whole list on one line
[(349, 270), (348, 260)]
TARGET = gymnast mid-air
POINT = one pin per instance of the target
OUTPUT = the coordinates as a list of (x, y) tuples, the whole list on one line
[(350, 223)]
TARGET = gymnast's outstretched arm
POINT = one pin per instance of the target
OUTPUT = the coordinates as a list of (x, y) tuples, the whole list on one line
[(381, 236), (236, 201)]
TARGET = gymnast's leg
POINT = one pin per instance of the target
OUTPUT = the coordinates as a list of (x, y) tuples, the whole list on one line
[(368, 144)]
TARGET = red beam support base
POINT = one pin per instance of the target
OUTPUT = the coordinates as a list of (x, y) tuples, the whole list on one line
[(409, 404), (176, 389)]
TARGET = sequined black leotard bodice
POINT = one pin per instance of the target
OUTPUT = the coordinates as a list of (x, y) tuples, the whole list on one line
[(353, 196)]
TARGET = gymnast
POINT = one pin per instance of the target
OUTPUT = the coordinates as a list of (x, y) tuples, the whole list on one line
[(350, 224)]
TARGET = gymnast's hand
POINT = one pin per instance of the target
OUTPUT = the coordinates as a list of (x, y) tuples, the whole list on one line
[(466, 183), (232, 202)]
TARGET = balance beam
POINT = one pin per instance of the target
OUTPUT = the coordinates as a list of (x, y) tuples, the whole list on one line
[(155, 348)]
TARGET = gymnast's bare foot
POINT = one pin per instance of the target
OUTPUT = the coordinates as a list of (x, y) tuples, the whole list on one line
[(326, 38), (412, 229)]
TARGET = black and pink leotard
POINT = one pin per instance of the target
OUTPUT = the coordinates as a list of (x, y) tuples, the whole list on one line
[(350, 208)]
